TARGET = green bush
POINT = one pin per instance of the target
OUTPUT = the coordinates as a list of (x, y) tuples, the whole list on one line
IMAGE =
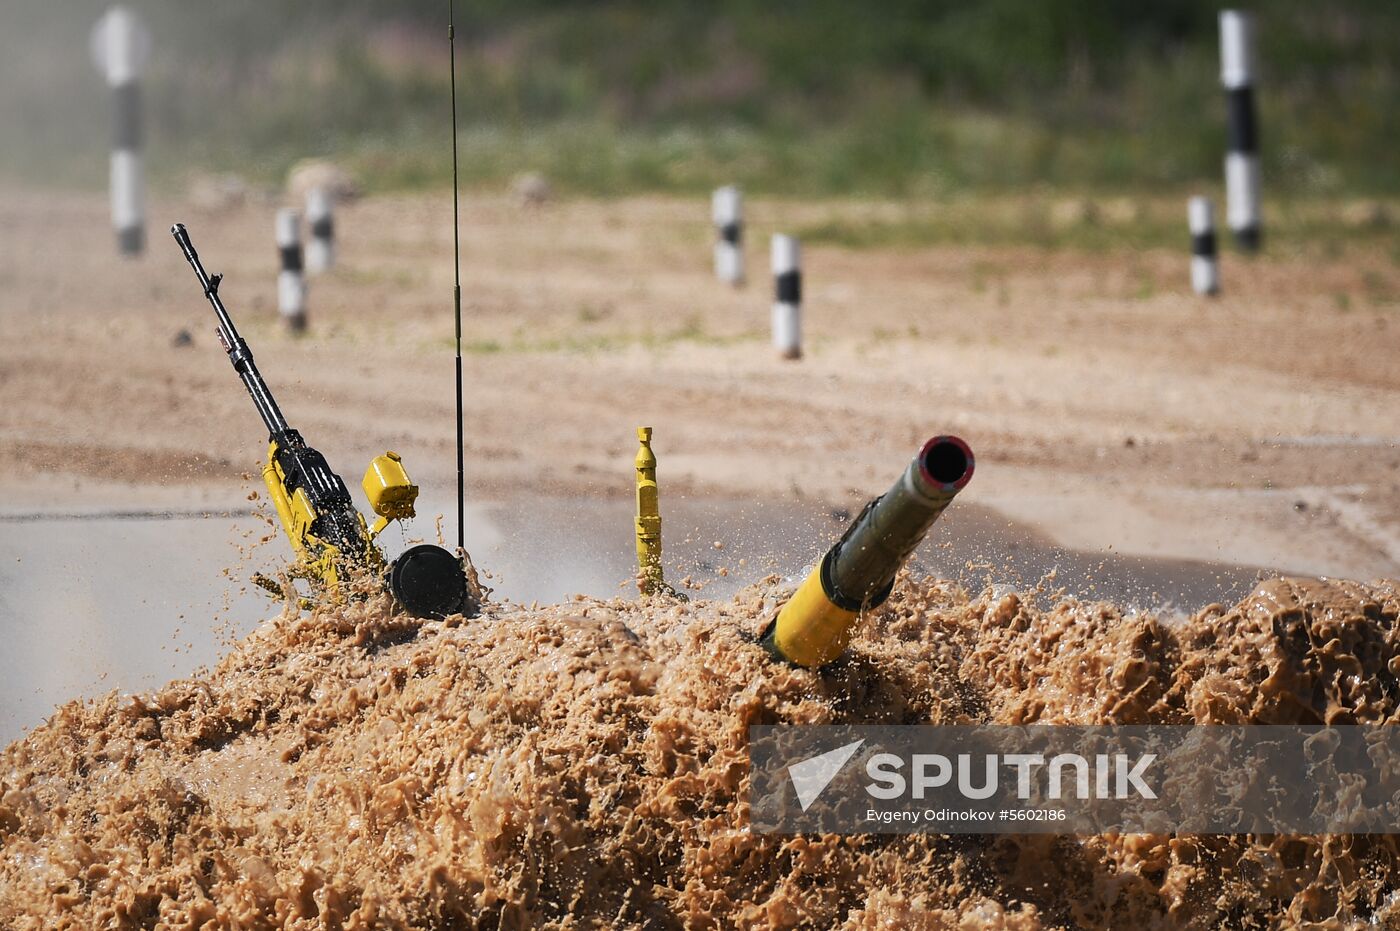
[(903, 98)]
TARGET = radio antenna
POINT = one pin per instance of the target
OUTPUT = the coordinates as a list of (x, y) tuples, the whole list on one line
[(457, 279)]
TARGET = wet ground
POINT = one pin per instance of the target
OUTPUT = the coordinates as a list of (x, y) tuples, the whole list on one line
[(93, 601)]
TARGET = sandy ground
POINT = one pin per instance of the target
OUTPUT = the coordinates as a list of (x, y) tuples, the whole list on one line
[(1107, 406), (1110, 411)]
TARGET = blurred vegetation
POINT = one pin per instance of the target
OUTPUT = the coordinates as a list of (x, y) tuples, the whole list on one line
[(900, 98)]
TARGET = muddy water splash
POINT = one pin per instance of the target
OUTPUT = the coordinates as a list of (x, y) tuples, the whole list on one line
[(585, 765)]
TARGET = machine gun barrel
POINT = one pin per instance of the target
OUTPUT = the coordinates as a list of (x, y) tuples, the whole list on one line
[(238, 352), (857, 574), (326, 531), (292, 464)]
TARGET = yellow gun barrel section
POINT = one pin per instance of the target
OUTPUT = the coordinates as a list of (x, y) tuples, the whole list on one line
[(857, 574), (811, 630)]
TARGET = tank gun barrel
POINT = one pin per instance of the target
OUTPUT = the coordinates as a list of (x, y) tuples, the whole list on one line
[(857, 574)]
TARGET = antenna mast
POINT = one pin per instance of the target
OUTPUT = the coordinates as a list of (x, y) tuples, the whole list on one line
[(457, 279)]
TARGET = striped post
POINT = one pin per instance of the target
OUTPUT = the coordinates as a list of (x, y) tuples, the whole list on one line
[(1205, 270), (320, 248), (291, 286), (787, 306), (120, 46), (1242, 159), (727, 208)]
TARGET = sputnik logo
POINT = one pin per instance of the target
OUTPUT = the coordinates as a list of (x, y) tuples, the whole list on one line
[(811, 777)]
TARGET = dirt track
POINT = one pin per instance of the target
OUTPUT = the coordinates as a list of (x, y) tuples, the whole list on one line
[(1106, 404)]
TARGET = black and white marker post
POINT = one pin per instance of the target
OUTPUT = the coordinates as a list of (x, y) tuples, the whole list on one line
[(320, 248), (787, 306), (1242, 160), (291, 285), (120, 46), (727, 208), (1205, 270)]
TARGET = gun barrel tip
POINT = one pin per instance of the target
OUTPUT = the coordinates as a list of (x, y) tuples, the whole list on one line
[(177, 228), (947, 461)]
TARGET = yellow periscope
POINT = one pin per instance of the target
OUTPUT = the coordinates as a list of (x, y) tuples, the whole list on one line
[(857, 574), (390, 491), (651, 576)]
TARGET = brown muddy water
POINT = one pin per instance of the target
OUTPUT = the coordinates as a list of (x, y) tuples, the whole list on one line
[(584, 764), (94, 601)]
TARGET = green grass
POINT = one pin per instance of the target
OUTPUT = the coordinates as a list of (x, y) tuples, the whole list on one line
[(923, 99), (1118, 222)]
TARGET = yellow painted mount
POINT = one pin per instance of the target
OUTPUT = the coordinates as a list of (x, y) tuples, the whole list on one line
[(317, 560), (651, 577), (294, 524), (390, 491)]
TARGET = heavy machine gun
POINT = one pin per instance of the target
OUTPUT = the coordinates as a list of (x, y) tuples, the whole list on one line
[(331, 540)]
